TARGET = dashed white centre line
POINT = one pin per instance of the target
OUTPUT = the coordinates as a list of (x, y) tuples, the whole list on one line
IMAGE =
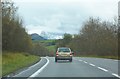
[(102, 69), (115, 75), (91, 64), (85, 62)]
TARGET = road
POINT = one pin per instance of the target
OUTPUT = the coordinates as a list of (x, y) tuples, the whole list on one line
[(80, 67)]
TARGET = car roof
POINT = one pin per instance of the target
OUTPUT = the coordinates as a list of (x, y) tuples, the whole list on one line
[(63, 47)]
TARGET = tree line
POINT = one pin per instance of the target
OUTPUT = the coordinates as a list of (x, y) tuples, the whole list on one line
[(99, 38), (14, 35), (95, 38)]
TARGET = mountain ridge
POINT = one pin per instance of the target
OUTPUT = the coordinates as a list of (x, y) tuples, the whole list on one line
[(35, 36)]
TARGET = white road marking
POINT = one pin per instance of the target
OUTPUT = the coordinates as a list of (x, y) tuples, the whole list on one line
[(34, 65), (37, 72), (102, 69), (115, 75), (8, 76), (91, 64), (26, 69), (85, 62), (115, 60)]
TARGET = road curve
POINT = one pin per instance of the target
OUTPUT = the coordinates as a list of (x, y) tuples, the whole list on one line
[(80, 67)]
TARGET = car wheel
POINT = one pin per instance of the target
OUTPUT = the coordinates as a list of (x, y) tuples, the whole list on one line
[(70, 60), (55, 60)]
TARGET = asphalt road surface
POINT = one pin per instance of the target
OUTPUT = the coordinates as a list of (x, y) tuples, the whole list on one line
[(79, 67)]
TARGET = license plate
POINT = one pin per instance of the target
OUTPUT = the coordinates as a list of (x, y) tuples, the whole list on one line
[(63, 55)]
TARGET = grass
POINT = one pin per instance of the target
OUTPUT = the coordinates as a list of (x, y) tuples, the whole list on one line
[(14, 61), (0, 64), (108, 57), (51, 48), (47, 41), (43, 41)]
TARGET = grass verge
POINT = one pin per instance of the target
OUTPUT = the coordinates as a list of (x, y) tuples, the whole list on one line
[(0, 64), (14, 61)]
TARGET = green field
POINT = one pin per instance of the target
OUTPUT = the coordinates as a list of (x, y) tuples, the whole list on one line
[(49, 44), (14, 61), (51, 48), (43, 41), (47, 41)]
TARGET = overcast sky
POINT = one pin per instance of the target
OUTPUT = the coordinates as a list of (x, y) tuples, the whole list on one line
[(63, 16)]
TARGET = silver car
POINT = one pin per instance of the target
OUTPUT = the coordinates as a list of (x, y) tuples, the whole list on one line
[(63, 53)]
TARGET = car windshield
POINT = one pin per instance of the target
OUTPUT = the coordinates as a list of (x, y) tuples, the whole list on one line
[(64, 50)]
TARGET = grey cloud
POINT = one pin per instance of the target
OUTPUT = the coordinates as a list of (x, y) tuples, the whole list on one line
[(61, 18)]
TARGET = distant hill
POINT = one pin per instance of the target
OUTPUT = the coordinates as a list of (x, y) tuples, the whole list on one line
[(35, 36)]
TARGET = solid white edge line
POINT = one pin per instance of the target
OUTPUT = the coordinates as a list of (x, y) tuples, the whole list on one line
[(91, 64), (103, 69), (115, 75), (37, 72), (26, 69), (34, 65)]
